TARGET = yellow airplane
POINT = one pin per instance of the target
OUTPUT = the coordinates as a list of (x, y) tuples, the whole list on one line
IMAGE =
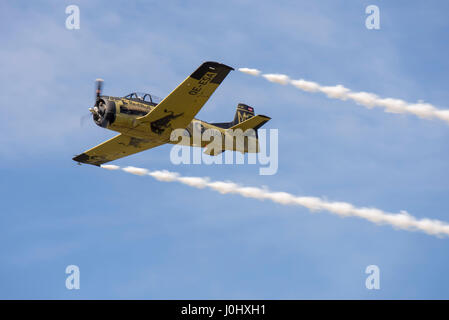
[(144, 124)]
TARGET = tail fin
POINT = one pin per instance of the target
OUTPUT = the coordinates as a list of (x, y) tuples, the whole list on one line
[(242, 115), (249, 129), (244, 119)]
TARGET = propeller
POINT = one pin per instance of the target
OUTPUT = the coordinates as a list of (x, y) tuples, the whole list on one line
[(99, 83), (96, 111), (103, 111)]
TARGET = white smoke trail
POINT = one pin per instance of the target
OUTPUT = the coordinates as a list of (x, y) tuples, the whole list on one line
[(366, 99), (110, 167), (253, 72), (277, 78), (401, 220)]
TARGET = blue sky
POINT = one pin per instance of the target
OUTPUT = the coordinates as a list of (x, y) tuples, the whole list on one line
[(135, 237)]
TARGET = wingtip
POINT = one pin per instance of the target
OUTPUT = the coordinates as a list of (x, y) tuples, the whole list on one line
[(217, 64), (220, 69)]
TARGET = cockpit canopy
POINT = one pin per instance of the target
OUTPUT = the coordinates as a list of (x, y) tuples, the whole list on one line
[(143, 97)]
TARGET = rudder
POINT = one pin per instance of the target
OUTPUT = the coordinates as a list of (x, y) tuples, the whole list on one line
[(243, 112)]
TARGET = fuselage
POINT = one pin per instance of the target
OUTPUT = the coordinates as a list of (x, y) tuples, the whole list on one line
[(120, 113)]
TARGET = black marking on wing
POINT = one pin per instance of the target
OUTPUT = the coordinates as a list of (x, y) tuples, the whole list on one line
[(160, 125)]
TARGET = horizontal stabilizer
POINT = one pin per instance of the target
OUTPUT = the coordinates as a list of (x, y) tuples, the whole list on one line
[(252, 123)]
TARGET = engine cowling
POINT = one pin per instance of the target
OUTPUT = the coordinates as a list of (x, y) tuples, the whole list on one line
[(104, 113)]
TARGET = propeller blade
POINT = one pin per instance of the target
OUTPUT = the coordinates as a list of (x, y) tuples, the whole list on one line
[(99, 83)]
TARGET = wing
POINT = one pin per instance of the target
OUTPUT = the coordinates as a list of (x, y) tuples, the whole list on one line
[(118, 147), (182, 104)]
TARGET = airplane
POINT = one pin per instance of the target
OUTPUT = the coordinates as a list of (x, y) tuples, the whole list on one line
[(144, 124)]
